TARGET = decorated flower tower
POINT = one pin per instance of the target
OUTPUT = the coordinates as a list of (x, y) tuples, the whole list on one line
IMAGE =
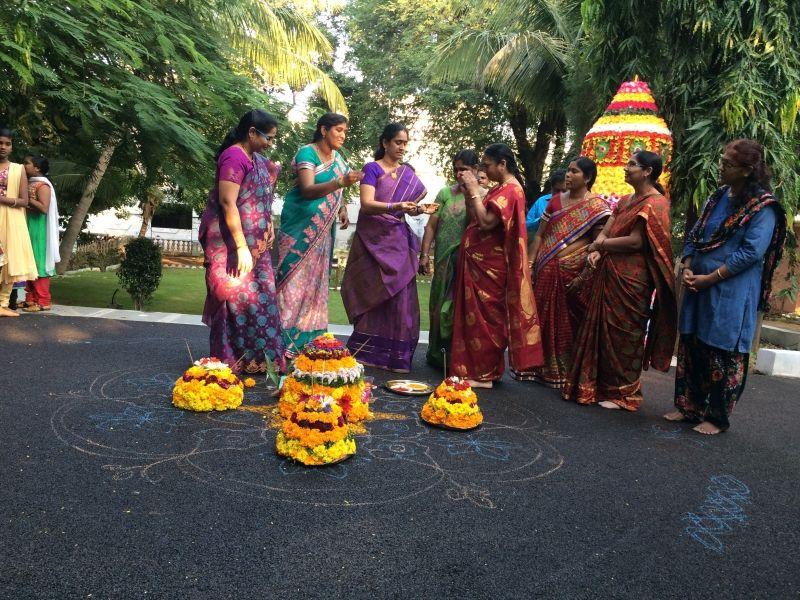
[(325, 366), (209, 384), (453, 405), (629, 124), (316, 433)]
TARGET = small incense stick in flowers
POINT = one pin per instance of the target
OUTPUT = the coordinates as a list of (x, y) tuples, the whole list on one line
[(354, 354), (444, 357), (189, 350)]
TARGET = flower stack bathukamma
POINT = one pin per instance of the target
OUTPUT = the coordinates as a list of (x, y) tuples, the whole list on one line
[(629, 124), (453, 405), (325, 366), (316, 433), (209, 384)]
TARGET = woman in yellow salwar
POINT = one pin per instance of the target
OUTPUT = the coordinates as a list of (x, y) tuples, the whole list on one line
[(15, 242)]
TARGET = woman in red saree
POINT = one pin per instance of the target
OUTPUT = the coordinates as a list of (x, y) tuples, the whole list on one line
[(632, 258), (494, 306), (558, 263)]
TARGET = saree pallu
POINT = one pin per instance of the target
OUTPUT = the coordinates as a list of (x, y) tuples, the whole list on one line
[(452, 222), (708, 381), (494, 306), (614, 342), (242, 312), (379, 286), (305, 247), (559, 284)]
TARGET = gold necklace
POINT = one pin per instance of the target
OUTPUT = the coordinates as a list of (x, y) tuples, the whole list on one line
[(322, 155)]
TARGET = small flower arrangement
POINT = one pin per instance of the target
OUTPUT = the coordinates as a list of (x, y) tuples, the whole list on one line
[(316, 432), (453, 405), (209, 384)]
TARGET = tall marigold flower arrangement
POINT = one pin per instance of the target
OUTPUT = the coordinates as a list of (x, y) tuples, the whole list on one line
[(316, 432), (325, 366), (629, 124)]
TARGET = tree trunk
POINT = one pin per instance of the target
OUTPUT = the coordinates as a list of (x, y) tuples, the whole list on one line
[(559, 149), (518, 120), (532, 157), (82, 209), (544, 134), (152, 201)]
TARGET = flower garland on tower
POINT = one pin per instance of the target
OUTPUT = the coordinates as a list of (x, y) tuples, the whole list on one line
[(629, 124)]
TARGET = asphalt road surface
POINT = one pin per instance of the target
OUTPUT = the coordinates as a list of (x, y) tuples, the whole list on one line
[(109, 492)]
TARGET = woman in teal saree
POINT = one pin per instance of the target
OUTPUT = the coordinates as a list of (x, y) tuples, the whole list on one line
[(305, 240)]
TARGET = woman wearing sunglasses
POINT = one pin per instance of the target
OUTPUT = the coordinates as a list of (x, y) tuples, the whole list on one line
[(236, 233), (729, 259)]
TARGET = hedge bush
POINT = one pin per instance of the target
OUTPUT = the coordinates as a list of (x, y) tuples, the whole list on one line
[(140, 270)]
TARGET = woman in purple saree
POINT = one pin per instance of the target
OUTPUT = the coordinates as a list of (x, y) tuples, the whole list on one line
[(236, 233), (379, 287)]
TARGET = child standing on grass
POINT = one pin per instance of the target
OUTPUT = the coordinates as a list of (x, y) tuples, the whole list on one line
[(43, 229)]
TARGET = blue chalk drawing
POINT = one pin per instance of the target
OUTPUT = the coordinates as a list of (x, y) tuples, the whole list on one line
[(234, 452), (722, 509), (137, 417), (486, 445)]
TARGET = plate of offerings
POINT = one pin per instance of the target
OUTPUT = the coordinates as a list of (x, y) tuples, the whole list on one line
[(408, 387)]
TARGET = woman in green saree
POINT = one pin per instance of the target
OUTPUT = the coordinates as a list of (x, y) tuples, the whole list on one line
[(444, 230), (305, 240)]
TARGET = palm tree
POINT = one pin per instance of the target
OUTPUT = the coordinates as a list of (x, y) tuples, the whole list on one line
[(274, 41), (155, 75), (524, 51)]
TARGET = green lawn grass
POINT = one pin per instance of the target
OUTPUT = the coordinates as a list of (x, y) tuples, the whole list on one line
[(181, 291)]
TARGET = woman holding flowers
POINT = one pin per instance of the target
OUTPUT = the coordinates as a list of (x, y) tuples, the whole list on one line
[(444, 231), (307, 232), (569, 223), (236, 234), (494, 305), (633, 258), (729, 259), (379, 287)]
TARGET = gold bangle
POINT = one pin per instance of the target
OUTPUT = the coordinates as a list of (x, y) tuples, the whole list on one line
[(719, 274)]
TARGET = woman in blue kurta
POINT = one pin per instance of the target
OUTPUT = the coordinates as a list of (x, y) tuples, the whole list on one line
[(729, 259)]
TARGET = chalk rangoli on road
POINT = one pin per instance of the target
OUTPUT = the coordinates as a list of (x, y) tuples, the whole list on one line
[(125, 419)]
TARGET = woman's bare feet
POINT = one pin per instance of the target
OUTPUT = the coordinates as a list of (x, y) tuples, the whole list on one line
[(674, 415), (6, 312), (479, 384), (609, 405), (707, 428)]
